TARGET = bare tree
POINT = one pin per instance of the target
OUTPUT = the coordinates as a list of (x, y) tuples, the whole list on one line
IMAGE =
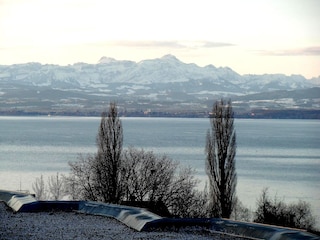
[(80, 182), (108, 159), (157, 178), (56, 187), (277, 212), (241, 212), (220, 159), (72, 187), (146, 176), (113, 175), (98, 177), (184, 200), (39, 188)]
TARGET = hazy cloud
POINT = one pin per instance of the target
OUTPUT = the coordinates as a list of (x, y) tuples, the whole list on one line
[(168, 44), (217, 44), (147, 44), (309, 51)]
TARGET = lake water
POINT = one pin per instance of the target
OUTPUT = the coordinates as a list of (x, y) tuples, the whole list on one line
[(283, 155)]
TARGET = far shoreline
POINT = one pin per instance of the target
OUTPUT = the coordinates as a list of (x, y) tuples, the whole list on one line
[(253, 114)]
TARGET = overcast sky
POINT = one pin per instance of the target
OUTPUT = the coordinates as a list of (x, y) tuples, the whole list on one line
[(250, 36)]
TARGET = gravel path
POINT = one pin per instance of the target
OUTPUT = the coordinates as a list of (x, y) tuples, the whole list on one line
[(70, 225)]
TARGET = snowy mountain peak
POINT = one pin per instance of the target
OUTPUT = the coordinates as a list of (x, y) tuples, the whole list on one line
[(165, 84), (160, 71), (170, 57), (105, 60)]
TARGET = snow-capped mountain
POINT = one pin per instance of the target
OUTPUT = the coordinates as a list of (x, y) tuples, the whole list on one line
[(165, 79), (167, 69)]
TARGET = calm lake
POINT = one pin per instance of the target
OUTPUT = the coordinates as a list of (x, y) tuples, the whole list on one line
[(283, 155)]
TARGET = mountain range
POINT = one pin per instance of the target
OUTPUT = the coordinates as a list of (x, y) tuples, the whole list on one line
[(150, 87)]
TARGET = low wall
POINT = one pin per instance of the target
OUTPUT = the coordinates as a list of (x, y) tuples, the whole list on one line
[(133, 217), (142, 220), (21, 202), (260, 231)]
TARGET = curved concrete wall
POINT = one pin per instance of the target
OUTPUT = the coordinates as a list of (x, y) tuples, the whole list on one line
[(143, 220), (133, 217)]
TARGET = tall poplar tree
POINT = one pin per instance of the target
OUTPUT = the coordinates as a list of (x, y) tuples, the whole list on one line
[(108, 158), (220, 159)]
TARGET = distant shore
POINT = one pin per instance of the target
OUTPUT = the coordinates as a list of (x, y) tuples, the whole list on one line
[(254, 114)]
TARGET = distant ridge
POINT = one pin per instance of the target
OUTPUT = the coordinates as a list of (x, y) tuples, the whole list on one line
[(163, 84)]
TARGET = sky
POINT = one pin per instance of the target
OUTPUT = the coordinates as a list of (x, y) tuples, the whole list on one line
[(249, 36)]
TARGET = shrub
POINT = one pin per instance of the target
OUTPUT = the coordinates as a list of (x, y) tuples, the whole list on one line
[(241, 212), (277, 212), (152, 178)]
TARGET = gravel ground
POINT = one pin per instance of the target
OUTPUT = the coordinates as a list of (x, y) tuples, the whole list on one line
[(71, 225)]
